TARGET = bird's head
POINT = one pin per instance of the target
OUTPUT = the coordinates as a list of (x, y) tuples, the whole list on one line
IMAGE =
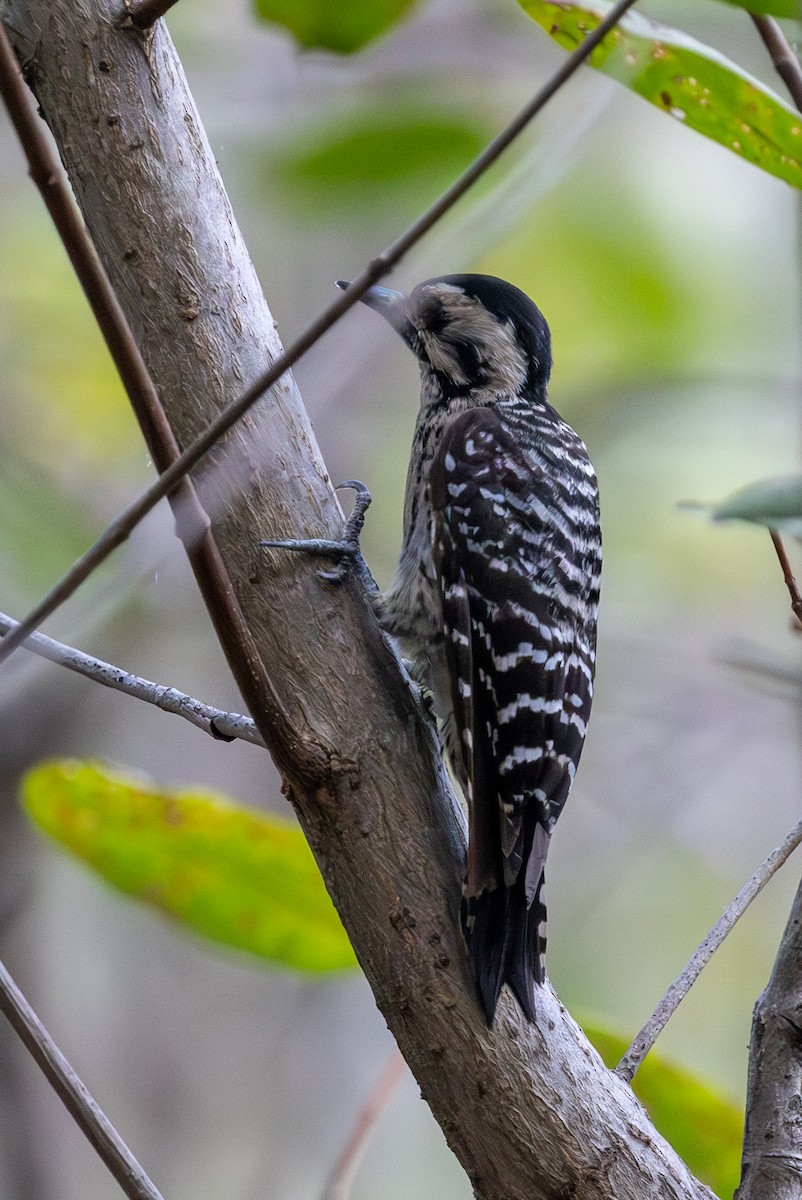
[(473, 333)]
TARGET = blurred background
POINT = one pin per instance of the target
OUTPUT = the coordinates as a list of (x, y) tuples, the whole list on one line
[(667, 269)]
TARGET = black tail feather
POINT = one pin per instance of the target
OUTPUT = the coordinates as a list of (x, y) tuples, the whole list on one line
[(507, 944)]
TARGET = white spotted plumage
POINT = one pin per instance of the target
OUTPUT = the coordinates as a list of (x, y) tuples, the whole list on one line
[(496, 595)]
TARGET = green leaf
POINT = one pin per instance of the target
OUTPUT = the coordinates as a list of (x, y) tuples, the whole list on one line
[(704, 1127), (235, 875), (688, 80), (775, 8), (343, 26), (776, 503), (397, 152), (42, 531)]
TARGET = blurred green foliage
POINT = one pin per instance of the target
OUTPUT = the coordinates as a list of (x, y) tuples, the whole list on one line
[(235, 875), (777, 8), (703, 1126), (248, 880), (66, 418), (394, 150), (71, 412), (776, 503), (691, 82), (606, 282), (343, 26), (41, 531)]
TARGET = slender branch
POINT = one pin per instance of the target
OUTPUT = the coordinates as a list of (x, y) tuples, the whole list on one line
[(192, 523), (76, 1098), (47, 174), (679, 989), (121, 527), (341, 1180), (145, 13), (788, 575), (225, 726), (785, 61), (772, 1156)]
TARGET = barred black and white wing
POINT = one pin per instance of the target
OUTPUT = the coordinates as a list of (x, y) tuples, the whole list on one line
[(516, 550)]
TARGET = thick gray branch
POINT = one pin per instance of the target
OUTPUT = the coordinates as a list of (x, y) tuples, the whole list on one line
[(772, 1158), (531, 1112)]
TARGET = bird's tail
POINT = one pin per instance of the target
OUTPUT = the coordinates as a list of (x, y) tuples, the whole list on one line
[(507, 944)]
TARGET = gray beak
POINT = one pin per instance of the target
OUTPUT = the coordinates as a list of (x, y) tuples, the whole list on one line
[(389, 304)]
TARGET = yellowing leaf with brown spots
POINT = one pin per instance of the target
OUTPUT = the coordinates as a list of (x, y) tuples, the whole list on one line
[(241, 877), (689, 81)]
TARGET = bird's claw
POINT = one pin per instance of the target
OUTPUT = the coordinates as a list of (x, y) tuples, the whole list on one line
[(346, 550)]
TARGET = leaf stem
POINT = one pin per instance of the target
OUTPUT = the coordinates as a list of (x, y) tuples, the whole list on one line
[(788, 575)]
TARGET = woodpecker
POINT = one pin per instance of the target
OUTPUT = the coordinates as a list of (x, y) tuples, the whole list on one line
[(496, 596)]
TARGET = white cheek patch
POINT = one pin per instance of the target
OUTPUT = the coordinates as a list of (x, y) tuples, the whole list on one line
[(504, 366), (442, 357)]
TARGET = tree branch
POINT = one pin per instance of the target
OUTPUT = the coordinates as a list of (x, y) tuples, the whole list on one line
[(339, 1184), (224, 726), (687, 977), (192, 522), (530, 1110), (785, 61), (772, 1156), (82, 1107), (788, 574), (204, 440), (771, 1167)]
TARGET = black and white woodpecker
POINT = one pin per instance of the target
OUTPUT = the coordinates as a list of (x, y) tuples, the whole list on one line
[(495, 597)]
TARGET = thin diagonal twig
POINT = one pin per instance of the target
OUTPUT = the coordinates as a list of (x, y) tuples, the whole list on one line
[(225, 726), (644, 1041), (83, 1108), (120, 528), (339, 1184), (785, 61), (788, 574), (192, 523)]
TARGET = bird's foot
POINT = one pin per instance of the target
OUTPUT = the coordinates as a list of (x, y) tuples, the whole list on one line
[(346, 551)]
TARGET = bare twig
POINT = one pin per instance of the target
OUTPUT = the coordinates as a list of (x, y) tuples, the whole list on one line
[(225, 726), (121, 527), (145, 13), (46, 172), (772, 1157), (788, 575), (192, 522), (785, 61), (679, 989), (341, 1180), (80, 1104)]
